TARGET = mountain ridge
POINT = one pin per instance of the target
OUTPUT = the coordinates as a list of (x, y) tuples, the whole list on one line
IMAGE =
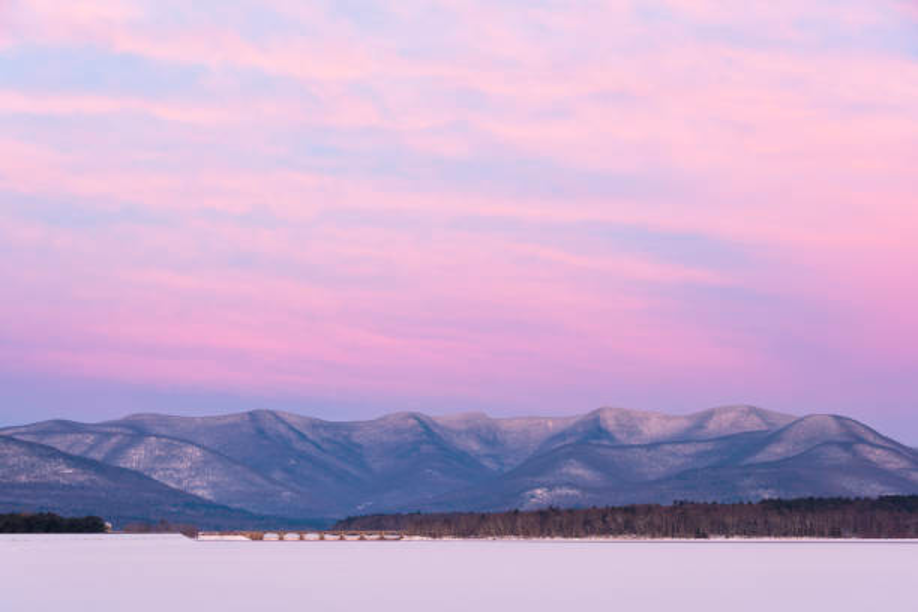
[(285, 464)]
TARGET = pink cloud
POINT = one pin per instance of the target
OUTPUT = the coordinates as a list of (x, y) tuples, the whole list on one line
[(312, 237)]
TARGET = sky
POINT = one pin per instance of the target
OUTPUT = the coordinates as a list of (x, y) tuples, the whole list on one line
[(345, 208)]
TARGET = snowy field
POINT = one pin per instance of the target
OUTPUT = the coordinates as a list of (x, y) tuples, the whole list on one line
[(172, 574)]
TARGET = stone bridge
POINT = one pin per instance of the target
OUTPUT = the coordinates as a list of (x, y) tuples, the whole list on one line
[(303, 536)]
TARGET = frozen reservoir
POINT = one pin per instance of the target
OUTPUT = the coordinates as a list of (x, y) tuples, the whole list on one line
[(173, 574)]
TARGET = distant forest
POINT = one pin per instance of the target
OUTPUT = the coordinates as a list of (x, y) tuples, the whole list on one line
[(883, 517), (47, 522)]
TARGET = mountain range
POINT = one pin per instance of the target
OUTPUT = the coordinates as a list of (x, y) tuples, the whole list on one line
[(265, 467)]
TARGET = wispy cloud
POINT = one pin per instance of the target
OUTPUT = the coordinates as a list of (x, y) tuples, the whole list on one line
[(667, 203)]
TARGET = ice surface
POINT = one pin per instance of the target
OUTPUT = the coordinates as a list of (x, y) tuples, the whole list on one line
[(171, 574)]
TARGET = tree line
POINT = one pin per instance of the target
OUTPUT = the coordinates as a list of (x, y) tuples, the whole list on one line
[(48, 522), (893, 516)]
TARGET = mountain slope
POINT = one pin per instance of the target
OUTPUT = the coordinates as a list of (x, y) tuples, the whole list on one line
[(178, 463), (621, 426), (278, 463), (812, 430), (37, 477), (291, 465), (819, 455)]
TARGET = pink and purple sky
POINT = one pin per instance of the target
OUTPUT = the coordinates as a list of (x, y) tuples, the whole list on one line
[(345, 208)]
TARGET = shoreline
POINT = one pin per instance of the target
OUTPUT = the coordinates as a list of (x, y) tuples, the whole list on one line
[(594, 539)]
